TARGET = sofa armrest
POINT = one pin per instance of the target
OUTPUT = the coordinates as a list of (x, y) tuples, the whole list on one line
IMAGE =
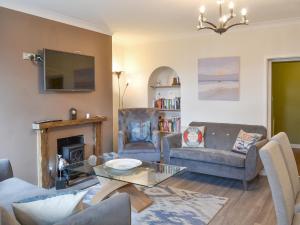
[(121, 140), (170, 141), (156, 139), (5, 169), (113, 211), (253, 164)]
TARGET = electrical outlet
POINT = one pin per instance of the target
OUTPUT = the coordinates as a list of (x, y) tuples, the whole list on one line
[(27, 56)]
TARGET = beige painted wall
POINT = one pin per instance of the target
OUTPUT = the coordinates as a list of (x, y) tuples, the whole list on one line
[(21, 103), (253, 44)]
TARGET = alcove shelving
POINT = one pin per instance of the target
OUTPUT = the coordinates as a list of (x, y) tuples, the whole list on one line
[(164, 95)]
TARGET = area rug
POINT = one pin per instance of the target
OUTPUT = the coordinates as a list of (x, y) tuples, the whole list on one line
[(173, 206)]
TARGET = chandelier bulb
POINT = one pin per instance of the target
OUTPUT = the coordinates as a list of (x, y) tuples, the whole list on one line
[(223, 19), (244, 12), (202, 9), (220, 2), (231, 5)]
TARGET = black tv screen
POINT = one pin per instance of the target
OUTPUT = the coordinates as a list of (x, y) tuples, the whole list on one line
[(68, 71)]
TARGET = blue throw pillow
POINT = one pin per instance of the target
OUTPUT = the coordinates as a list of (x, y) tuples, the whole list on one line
[(140, 131)]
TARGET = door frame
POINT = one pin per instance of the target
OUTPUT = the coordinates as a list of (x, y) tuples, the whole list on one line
[(269, 89)]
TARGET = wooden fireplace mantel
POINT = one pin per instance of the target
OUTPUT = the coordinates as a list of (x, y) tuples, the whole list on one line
[(42, 129), (65, 123)]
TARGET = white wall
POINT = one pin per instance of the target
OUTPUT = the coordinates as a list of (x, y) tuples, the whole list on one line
[(254, 45)]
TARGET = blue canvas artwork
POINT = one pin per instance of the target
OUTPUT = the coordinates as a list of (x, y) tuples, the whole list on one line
[(219, 79)]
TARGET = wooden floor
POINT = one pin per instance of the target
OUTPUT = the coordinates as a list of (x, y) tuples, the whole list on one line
[(252, 207)]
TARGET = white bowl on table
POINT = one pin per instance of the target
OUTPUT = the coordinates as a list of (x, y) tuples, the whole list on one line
[(123, 164)]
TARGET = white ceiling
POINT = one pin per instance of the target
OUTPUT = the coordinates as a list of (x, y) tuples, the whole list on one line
[(128, 19)]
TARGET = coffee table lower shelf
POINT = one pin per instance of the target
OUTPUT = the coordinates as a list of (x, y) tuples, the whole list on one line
[(139, 200)]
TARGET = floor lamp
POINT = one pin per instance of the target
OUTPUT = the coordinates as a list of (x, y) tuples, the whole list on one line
[(119, 73)]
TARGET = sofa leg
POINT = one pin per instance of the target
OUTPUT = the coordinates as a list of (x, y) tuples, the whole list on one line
[(245, 185)]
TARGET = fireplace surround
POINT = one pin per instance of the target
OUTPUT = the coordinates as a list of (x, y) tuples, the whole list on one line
[(44, 153)]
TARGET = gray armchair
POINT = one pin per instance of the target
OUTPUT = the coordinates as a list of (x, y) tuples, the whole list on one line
[(143, 150)]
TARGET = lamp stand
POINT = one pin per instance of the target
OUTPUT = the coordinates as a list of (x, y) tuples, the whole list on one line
[(119, 92)]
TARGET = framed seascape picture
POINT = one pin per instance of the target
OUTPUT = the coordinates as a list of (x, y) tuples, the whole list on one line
[(219, 79)]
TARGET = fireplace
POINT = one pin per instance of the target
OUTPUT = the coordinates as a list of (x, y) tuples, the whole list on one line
[(72, 150)]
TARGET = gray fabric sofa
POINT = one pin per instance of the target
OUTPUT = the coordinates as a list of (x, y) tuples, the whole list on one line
[(13, 189), (147, 151), (217, 158)]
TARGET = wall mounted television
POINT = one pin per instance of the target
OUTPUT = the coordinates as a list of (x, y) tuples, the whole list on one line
[(68, 72)]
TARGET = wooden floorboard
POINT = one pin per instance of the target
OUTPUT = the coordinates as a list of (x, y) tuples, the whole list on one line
[(252, 207)]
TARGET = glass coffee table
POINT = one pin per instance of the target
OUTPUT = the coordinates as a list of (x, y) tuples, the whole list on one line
[(148, 174)]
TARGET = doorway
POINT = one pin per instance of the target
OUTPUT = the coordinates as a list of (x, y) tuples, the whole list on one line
[(285, 99)]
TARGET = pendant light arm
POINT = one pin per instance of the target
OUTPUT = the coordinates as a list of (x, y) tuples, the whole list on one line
[(207, 28), (236, 24), (228, 20), (210, 23)]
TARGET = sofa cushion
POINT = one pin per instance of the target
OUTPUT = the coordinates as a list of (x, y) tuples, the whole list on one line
[(48, 209), (216, 156), (140, 146), (14, 189)]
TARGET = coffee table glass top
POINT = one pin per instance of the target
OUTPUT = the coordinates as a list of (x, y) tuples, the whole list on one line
[(148, 174)]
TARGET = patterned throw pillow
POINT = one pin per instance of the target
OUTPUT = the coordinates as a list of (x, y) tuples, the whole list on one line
[(193, 137), (139, 131), (244, 141)]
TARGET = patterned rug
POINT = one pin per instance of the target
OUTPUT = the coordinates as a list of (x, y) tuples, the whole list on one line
[(173, 206)]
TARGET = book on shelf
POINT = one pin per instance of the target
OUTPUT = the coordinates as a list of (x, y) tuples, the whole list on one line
[(171, 125), (167, 104)]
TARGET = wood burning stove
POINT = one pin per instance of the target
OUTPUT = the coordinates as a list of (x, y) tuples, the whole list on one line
[(72, 150)]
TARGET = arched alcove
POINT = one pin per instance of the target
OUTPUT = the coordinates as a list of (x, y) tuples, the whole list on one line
[(164, 94)]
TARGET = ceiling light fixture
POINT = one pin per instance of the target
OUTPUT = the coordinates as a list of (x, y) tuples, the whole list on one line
[(224, 19)]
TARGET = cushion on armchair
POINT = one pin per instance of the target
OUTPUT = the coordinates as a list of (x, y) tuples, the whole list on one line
[(139, 131)]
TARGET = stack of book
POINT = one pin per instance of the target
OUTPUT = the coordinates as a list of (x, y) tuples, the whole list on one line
[(171, 125), (167, 104)]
